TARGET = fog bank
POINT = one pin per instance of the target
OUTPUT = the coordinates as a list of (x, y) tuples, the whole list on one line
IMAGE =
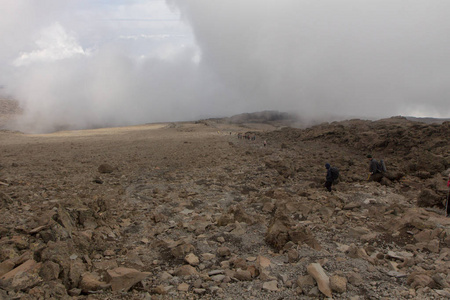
[(83, 64)]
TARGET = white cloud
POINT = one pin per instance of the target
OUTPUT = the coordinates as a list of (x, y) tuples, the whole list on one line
[(100, 63), (53, 44)]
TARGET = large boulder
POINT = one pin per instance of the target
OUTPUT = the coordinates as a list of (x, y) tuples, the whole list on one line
[(22, 277), (277, 234), (303, 235), (428, 198)]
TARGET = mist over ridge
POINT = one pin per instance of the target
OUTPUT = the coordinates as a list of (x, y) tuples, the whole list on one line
[(145, 62)]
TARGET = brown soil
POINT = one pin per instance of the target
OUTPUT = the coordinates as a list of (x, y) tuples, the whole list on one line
[(125, 196)]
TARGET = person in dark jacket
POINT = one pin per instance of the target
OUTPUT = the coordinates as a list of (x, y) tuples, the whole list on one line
[(447, 204), (375, 173), (329, 178)]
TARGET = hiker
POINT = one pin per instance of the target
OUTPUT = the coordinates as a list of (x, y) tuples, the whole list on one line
[(376, 172), (332, 175), (447, 205), (265, 143)]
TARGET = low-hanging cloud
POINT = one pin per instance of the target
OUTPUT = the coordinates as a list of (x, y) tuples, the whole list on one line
[(350, 57), (110, 65)]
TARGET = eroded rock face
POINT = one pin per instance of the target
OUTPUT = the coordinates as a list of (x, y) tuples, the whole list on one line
[(190, 211)]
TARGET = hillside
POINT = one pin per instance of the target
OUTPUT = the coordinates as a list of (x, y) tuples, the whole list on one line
[(191, 211)]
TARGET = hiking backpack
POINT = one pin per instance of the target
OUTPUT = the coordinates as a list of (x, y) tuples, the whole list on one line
[(334, 173), (381, 166)]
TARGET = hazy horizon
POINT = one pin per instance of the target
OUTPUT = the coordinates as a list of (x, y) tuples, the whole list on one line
[(82, 64)]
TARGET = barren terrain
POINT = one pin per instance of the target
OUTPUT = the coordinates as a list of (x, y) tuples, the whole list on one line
[(191, 211)]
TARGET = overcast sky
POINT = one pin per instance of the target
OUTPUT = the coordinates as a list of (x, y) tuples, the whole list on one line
[(87, 63)]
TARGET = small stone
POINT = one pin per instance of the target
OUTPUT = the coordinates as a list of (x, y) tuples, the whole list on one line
[(6, 266), (314, 292), (323, 281), (165, 276), (419, 281), (293, 255), (109, 253), (444, 293), (271, 286), (396, 274), (20, 242), (283, 278), (160, 290), (207, 256), (392, 266), (338, 284), (105, 168), (74, 292), (183, 287), (215, 290), (215, 272), (218, 278), (305, 282), (223, 251), (355, 279), (49, 271), (192, 259), (199, 291), (262, 262), (264, 275), (432, 246), (91, 282), (97, 180), (342, 247), (186, 270), (198, 283), (124, 278), (253, 270), (105, 264), (243, 275)]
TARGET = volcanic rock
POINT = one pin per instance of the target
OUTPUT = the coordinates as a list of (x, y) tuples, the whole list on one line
[(338, 284), (91, 282), (323, 281), (122, 279), (212, 215)]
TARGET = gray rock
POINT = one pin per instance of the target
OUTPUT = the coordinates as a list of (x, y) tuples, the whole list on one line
[(271, 286)]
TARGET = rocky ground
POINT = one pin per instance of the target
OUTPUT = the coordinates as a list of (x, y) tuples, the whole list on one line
[(9, 109), (190, 211)]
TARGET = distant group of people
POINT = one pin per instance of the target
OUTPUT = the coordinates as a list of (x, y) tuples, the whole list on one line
[(247, 136), (447, 206), (376, 172)]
